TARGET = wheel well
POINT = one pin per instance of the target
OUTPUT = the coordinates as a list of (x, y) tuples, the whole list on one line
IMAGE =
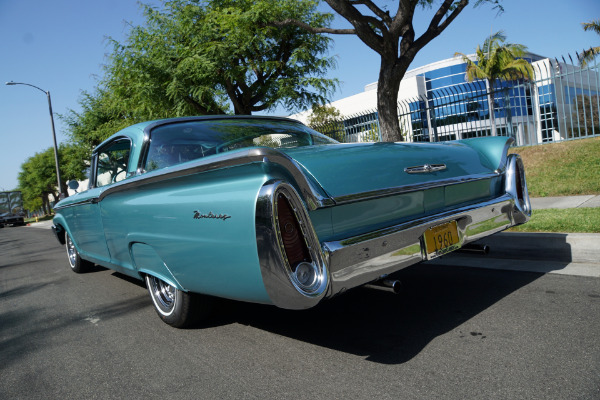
[(59, 232)]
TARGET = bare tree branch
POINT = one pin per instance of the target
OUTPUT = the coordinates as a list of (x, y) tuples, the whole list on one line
[(312, 29), (384, 15), (435, 27)]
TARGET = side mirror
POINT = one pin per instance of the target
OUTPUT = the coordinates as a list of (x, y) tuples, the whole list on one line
[(74, 185)]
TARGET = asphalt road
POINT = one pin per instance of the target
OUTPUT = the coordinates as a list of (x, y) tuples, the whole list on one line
[(454, 333)]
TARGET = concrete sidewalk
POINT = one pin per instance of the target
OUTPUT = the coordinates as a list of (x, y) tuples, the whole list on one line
[(540, 203), (558, 253)]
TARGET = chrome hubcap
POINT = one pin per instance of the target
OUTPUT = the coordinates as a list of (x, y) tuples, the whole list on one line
[(71, 251), (163, 294)]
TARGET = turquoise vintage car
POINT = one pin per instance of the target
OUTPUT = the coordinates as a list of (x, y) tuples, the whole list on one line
[(266, 210)]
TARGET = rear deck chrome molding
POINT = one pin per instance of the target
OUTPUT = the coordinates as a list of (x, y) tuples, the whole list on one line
[(375, 194)]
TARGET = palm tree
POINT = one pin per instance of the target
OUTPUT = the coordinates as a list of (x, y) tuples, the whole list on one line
[(591, 53), (494, 61)]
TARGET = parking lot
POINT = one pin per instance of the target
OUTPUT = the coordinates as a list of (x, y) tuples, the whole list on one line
[(454, 332)]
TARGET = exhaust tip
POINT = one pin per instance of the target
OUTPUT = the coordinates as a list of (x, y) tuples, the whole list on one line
[(387, 285), (481, 249)]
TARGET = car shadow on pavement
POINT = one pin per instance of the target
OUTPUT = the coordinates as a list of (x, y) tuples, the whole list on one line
[(383, 327)]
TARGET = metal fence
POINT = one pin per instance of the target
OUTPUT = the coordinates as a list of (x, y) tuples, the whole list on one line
[(560, 102)]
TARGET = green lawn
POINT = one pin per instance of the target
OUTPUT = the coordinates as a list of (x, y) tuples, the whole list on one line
[(580, 220), (562, 169)]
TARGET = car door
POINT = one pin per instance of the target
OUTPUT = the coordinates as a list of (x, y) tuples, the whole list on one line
[(109, 166)]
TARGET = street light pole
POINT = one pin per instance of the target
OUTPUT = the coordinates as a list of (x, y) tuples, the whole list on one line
[(61, 194)]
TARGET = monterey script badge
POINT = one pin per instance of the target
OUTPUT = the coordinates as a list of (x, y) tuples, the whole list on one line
[(211, 215)]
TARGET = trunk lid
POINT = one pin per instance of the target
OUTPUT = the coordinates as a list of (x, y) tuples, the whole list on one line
[(348, 169)]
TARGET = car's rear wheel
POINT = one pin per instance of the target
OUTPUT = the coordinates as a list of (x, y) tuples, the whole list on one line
[(175, 307), (78, 264)]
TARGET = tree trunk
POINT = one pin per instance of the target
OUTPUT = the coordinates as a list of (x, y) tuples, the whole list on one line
[(64, 189), (387, 102), (45, 205)]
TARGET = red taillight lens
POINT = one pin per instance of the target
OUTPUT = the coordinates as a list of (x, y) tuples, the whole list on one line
[(291, 234)]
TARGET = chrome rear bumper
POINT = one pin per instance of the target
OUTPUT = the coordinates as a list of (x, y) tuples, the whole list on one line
[(355, 261)]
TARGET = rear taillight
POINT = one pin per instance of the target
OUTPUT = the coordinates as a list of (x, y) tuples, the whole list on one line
[(300, 258), (292, 237)]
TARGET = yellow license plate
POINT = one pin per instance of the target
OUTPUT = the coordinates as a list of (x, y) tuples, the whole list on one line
[(441, 239)]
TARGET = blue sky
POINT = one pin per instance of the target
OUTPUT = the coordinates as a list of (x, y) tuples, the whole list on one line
[(60, 45)]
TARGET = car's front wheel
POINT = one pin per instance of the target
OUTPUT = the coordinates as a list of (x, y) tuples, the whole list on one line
[(77, 263), (175, 307)]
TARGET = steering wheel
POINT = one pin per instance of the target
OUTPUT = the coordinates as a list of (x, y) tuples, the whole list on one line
[(116, 177)]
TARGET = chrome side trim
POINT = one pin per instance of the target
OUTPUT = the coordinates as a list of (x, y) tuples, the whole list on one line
[(350, 198), (78, 203), (310, 192), (273, 263)]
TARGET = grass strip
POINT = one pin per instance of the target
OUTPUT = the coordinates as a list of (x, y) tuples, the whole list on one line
[(573, 220)]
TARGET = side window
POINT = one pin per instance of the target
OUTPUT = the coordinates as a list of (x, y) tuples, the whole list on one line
[(112, 162)]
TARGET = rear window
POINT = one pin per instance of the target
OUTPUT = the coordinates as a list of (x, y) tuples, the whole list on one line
[(185, 141)]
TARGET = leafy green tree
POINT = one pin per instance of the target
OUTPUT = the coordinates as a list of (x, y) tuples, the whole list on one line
[(37, 178), (588, 55), (393, 37), (328, 120), (496, 60), (207, 57), (102, 114)]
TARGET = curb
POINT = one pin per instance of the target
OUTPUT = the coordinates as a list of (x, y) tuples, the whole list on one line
[(563, 247), (575, 254)]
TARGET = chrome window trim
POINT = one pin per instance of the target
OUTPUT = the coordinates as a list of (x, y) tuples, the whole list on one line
[(143, 151), (98, 150), (148, 129)]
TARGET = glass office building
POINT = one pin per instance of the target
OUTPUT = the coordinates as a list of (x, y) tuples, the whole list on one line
[(436, 102)]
